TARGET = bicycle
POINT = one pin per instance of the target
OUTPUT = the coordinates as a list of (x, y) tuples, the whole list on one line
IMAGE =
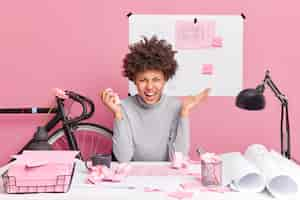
[(87, 138)]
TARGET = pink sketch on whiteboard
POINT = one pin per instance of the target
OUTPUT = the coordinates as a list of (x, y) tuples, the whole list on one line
[(189, 35)]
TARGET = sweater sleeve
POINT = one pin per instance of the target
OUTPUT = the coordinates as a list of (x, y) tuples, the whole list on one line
[(122, 140), (180, 137)]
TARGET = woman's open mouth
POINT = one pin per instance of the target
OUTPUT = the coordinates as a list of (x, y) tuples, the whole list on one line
[(150, 96)]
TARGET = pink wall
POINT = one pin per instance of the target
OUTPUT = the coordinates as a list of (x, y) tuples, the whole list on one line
[(80, 45)]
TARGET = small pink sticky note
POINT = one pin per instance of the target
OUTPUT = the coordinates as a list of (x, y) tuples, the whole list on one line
[(217, 42), (207, 69)]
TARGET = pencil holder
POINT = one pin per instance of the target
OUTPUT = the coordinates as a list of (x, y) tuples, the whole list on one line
[(211, 170)]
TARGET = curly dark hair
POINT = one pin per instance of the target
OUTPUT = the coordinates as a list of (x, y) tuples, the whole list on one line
[(150, 54)]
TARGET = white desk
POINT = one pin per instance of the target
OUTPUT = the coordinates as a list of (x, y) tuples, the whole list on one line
[(81, 191)]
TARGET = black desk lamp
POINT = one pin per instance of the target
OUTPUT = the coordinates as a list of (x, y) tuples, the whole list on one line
[(253, 99)]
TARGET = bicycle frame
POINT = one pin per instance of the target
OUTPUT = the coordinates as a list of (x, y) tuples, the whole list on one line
[(60, 115)]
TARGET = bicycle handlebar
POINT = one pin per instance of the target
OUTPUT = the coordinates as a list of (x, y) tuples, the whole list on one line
[(85, 103)]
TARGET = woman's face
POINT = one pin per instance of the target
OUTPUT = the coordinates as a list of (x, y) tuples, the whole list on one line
[(150, 85)]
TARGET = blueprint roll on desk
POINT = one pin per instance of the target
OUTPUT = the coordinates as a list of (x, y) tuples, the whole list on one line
[(131, 188)]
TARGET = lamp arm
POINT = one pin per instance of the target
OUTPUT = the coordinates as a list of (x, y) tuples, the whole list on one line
[(281, 97), (285, 141), (284, 122)]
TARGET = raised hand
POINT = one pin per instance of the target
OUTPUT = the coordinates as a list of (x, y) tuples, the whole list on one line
[(190, 102), (112, 102)]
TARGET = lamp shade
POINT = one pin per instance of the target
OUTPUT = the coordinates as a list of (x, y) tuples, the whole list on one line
[(250, 99)]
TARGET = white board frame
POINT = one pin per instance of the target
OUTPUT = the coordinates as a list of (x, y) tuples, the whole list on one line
[(227, 61)]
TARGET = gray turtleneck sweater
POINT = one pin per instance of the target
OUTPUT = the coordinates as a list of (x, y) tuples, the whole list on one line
[(150, 132)]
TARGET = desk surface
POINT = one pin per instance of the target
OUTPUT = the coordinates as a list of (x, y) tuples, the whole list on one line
[(80, 190)]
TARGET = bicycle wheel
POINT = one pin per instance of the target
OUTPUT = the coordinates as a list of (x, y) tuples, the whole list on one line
[(91, 139)]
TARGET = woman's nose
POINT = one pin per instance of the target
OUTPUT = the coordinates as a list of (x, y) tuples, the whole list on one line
[(149, 85)]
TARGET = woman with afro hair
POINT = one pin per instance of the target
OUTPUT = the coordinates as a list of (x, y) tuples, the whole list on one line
[(150, 126)]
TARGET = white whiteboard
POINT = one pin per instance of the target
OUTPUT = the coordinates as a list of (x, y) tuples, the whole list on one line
[(226, 60)]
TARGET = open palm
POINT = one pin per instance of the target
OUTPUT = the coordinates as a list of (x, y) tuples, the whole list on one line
[(191, 101)]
